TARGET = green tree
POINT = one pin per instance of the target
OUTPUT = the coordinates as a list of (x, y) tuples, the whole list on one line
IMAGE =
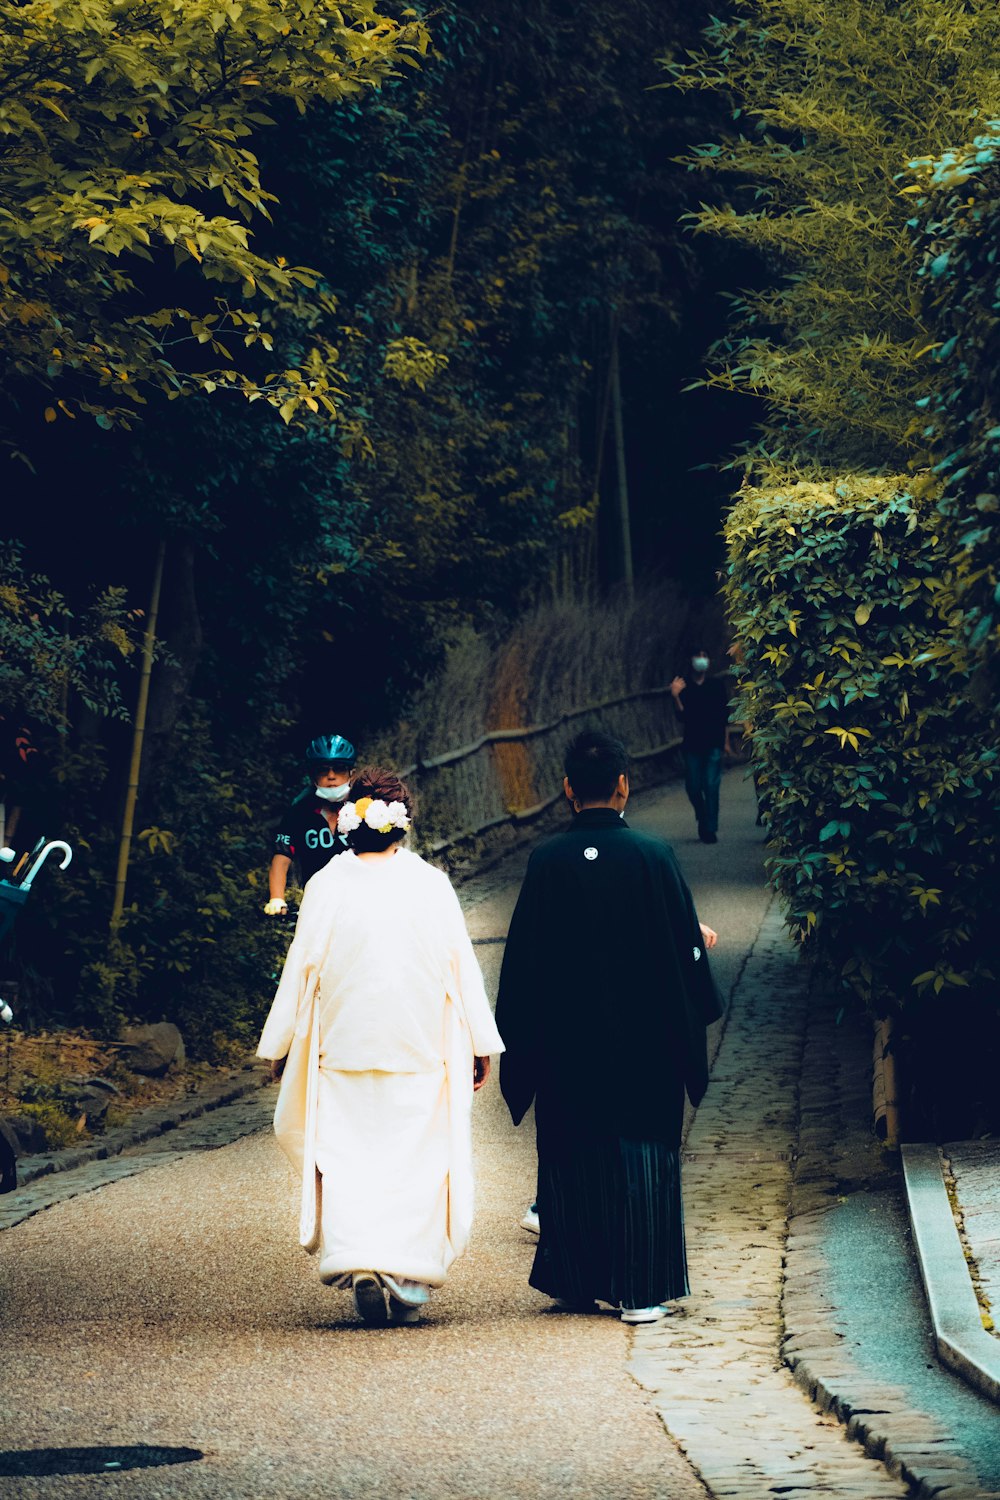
[(129, 187), (862, 588), (830, 99), (537, 218), (488, 221)]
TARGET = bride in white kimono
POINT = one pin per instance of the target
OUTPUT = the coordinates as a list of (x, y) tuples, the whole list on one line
[(380, 1031)]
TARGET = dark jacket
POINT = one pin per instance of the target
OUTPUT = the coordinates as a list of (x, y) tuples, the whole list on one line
[(605, 991), (705, 715)]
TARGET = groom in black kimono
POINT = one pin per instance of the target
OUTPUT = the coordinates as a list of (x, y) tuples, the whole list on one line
[(604, 998)]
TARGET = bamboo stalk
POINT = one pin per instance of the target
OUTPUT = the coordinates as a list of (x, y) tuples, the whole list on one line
[(456, 214), (132, 791), (885, 1105), (621, 489), (604, 409)]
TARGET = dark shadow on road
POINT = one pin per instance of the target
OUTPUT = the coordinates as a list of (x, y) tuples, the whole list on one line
[(23, 1463)]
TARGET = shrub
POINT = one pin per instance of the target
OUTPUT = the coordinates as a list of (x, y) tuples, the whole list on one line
[(59, 1127), (959, 221), (194, 946), (207, 956), (879, 776)]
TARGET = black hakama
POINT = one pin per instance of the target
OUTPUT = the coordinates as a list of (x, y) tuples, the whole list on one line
[(612, 1225), (604, 998)]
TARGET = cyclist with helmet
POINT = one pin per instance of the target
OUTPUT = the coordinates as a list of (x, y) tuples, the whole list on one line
[(307, 833)]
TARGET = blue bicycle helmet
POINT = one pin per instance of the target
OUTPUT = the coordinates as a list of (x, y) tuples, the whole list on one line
[(331, 750)]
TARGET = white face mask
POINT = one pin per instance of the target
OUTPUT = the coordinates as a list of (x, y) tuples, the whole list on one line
[(333, 793), (700, 663)]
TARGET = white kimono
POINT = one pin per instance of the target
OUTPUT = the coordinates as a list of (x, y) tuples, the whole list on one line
[(380, 1011)]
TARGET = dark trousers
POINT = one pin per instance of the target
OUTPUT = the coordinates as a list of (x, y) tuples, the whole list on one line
[(702, 775)]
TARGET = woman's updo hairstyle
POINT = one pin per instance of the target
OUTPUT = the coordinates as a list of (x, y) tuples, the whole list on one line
[(381, 785)]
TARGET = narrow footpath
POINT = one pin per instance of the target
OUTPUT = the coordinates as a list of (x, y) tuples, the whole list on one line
[(158, 1305)]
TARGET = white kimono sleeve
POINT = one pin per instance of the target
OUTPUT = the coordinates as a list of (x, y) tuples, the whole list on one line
[(465, 984), (299, 975)]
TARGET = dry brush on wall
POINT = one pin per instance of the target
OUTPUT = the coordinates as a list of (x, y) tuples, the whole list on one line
[(567, 666)]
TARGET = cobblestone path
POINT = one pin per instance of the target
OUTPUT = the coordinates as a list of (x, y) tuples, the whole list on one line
[(715, 1371)]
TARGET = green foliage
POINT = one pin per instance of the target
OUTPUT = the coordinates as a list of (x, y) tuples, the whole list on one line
[(410, 362), (47, 1097), (129, 186), (194, 945), (880, 778), (46, 651), (208, 955), (830, 99), (957, 201), (488, 217), (45, 1084)]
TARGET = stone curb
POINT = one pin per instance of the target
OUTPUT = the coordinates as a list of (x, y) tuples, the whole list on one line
[(859, 1406), (835, 1093), (962, 1341), (144, 1125)]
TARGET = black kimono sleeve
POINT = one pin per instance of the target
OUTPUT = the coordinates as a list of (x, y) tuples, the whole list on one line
[(697, 1003), (519, 998)]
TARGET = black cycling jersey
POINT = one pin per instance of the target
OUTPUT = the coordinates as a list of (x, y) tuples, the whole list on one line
[(305, 836)]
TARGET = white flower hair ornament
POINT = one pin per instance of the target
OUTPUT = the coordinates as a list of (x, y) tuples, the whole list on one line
[(381, 817)]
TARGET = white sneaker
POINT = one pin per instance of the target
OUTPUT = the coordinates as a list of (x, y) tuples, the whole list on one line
[(410, 1293), (643, 1314), (402, 1312), (530, 1221), (369, 1298)]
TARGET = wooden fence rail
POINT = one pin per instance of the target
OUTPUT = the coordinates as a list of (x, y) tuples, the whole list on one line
[(531, 731), (524, 815)]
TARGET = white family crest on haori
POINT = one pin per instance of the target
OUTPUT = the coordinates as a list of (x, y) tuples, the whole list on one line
[(590, 852)]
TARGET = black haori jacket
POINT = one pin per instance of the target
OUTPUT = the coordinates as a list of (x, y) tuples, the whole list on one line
[(606, 990)]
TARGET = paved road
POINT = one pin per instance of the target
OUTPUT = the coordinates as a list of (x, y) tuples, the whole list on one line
[(173, 1308)]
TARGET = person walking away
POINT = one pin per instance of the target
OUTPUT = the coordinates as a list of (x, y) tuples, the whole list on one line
[(605, 995), (307, 833), (703, 707), (381, 1032)]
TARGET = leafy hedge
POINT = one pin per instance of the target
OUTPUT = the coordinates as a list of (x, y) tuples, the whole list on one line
[(958, 222), (879, 776)]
